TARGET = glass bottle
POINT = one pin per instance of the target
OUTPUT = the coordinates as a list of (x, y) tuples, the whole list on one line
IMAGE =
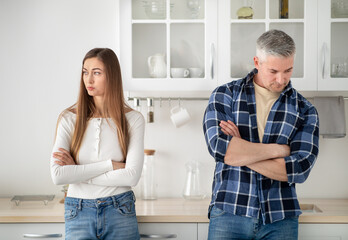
[(149, 184), (283, 9), (150, 110)]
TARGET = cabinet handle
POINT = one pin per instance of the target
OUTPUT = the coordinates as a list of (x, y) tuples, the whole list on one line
[(33, 235), (323, 59), (158, 236), (212, 49)]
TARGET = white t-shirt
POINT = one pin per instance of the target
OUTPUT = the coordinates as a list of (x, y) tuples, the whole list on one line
[(94, 176)]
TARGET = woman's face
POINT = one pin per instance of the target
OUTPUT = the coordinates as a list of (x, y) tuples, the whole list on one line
[(94, 77)]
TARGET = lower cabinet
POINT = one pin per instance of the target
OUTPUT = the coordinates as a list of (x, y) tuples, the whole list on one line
[(182, 231), (306, 231), (176, 231), (16, 231), (323, 232), (203, 231)]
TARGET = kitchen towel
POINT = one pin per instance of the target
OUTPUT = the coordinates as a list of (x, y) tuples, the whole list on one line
[(332, 122)]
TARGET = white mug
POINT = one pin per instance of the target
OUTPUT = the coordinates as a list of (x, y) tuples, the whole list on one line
[(196, 72), (179, 116), (179, 72)]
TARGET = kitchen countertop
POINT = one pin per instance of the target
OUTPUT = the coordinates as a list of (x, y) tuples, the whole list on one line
[(167, 210)]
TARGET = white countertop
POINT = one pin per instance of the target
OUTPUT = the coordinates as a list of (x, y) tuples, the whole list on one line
[(167, 210)]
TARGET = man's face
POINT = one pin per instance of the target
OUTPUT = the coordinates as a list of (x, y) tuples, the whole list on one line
[(274, 72)]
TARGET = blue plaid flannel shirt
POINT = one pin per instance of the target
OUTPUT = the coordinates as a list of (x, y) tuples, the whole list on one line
[(292, 120)]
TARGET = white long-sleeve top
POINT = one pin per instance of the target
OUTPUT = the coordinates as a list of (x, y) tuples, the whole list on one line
[(94, 176)]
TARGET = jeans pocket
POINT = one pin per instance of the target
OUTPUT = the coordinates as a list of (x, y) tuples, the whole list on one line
[(127, 208), (70, 212), (216, 212)]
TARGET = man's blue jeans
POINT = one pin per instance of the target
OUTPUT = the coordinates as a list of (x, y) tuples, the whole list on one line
[(225, 225), (107, 218)]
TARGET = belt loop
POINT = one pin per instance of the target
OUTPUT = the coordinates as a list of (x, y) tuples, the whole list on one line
[(114, 201), (80, 204)]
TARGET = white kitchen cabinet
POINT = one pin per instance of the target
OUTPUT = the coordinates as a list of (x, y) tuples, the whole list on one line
[(203, 229), (323, 232), (224, 46), (16, 231), (238, 38), (183, 231), (184, 38), (333, 47)]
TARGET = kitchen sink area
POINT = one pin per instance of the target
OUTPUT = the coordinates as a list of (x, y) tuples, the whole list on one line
[(310, 208)]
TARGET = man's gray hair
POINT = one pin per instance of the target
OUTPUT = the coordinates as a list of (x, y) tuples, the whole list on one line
[(275, 43)]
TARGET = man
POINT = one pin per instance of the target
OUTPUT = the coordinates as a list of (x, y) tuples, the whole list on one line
[(264, 137)]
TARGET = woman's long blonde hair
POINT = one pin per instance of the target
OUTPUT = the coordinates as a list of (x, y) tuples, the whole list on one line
[(115, 106)]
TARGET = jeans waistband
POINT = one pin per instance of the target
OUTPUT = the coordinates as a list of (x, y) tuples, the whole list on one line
[(116, 200)]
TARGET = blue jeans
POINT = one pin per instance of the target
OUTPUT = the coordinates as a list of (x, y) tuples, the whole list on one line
[(224, 225), (103, 218)]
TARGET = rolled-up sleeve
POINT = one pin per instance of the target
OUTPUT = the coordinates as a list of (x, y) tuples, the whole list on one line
[(304, 148), (219, 108)]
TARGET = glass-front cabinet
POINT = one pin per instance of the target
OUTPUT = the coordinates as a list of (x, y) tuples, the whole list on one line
[(168, 44), (333, 45), (241, 22), (195, 45)]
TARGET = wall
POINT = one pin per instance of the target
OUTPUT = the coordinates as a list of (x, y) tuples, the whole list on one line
[(42, 44), (177, 146)]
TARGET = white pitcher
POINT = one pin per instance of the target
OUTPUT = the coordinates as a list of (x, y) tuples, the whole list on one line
[(157, 66)]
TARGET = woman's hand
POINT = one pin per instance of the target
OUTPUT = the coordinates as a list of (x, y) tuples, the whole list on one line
[(118, 165), (64, 157), (229, 128)]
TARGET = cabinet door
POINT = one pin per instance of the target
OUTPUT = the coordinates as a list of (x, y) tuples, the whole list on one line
[(18, 231), (183, 231), (333, 48), (323, 232), (168, 44), (237, 37), (203, 229)]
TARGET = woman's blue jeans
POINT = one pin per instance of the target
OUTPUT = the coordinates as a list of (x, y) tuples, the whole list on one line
[(223, 226), (103, 218)]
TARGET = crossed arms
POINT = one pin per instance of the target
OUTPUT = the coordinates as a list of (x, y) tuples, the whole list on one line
[(291, 163), (108, 172), (266, 159)]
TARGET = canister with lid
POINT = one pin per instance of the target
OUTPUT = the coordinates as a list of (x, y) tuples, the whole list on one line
[(149, 183)]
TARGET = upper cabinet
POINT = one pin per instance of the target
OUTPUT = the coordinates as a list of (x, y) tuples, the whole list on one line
[(333, 45), (168, 44), (239, 34), (195, 45)]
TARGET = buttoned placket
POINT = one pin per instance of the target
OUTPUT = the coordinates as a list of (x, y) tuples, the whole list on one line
[(97, 134)]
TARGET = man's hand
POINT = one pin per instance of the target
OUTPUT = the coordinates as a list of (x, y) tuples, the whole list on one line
[(266, 159), (229, 128), (64, 157), (118, 165)]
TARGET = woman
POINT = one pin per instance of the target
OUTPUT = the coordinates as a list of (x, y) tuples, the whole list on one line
[(99, 152)]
